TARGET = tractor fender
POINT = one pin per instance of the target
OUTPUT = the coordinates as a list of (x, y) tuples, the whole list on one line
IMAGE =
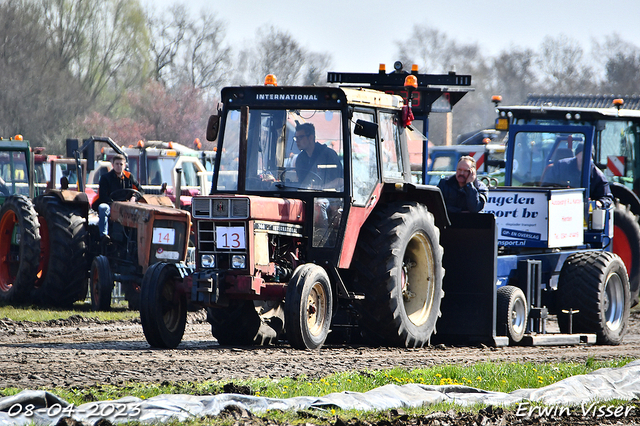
[(626, 196), (72, 197), (429, 195)]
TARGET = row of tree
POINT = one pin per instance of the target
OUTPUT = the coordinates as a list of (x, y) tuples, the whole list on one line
[(108, 67)]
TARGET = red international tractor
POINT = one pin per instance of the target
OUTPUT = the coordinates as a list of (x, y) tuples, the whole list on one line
[(281, 255)]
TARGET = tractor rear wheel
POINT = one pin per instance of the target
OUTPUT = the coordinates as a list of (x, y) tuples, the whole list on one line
[(512, 312), (246, 322), (398, 267), (63, 253), (596, 285), (19, 249), (101, 284), (308, 307), (626, 244), (163, 308)]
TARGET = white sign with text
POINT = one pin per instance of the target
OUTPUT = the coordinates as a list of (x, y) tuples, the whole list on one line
[(546, 218)]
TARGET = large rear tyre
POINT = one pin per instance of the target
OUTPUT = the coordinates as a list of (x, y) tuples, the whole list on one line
[(626, 244), (163, 308), (63, 253), (398, 266), (19, 249), (308, 307), (512, 313), (246, 322), (595, 284), (100, 284)]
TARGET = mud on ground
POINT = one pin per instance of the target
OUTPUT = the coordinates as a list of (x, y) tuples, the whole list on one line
[(79, 352)]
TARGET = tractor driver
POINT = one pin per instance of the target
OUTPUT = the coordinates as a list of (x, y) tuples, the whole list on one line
[(116, 179), (463, 192), (317, 163), (568, 171)]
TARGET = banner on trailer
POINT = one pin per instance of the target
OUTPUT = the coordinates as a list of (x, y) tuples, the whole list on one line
[(549, 218)]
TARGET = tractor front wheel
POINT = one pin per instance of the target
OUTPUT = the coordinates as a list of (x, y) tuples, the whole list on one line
[(308, 307), (163, 308), (101, 284)]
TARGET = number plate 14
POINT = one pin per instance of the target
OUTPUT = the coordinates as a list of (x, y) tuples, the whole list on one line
[(230, 237), (166, 236)]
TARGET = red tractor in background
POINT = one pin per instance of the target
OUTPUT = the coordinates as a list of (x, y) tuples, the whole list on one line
[(50, 243)]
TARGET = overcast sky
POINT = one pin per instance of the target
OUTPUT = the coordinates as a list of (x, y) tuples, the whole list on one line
[(362, 34)]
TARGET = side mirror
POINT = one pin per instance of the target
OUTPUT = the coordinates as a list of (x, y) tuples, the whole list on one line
[(212, 127), (366, 129)]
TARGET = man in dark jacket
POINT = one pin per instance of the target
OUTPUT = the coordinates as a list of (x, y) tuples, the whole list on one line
[(317, 163), (117, 178), (463, 192), (568, 172)]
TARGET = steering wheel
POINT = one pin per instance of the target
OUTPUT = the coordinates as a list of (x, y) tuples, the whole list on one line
[(125, 194), (312, 180)]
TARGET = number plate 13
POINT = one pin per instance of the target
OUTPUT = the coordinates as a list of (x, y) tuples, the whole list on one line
[(230, 237)]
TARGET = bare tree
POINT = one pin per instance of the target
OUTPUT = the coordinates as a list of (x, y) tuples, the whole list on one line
[(207, 59), (621, 64), (514, 74), (561, 61), (435, 53), (105, 43), (39, 96), (315, 69), (275, 52), (167, 37), (188, 52)]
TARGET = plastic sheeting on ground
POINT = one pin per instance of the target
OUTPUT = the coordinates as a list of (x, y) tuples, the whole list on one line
[(44, 408)]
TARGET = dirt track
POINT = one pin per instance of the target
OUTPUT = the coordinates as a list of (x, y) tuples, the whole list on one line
[(81, 352)]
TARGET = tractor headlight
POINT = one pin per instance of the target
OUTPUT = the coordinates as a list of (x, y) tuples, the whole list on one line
[(238, 261), (208, 261)]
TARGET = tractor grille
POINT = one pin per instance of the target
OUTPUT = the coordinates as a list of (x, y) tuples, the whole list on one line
[(220, 208), (208, 244)]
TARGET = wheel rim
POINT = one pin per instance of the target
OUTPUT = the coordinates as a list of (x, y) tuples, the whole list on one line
[(170, 307), (7, 266), (622, 247), (417, 279), (614, 301), (316, 309), (518, 315)]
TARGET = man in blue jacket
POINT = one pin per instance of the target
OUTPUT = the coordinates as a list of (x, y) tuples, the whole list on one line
[(463, 192)]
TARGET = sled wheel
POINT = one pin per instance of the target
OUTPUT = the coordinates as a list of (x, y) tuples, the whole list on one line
[(101, 284), (62, 276), (19, 249), (163, 307), (512, 312), (246, 322), (308, 307), (626, 244), (596, 285), (398, 267)]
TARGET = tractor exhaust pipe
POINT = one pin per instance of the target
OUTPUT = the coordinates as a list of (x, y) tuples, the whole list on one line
[(178, 189)]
